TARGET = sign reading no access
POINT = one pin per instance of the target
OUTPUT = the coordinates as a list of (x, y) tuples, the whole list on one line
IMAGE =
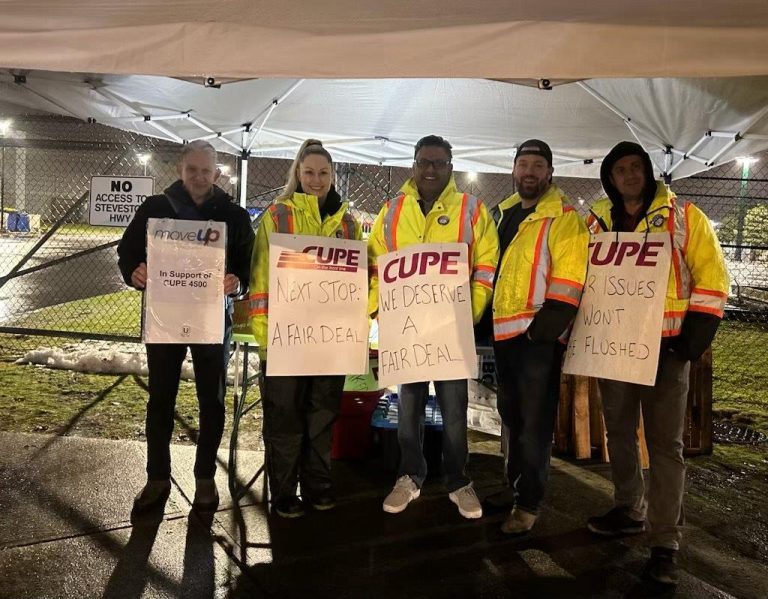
[(114, 200)]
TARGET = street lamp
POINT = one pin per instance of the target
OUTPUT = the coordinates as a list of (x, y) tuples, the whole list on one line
[(144, 160), (745, 162)]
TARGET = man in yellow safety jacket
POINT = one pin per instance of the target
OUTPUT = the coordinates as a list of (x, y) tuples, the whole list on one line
[(543, 244), (695, 298), (429, 209)]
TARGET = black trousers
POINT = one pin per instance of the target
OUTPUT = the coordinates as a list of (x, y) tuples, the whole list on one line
[(164, 362), (299, 412), (529, 387)]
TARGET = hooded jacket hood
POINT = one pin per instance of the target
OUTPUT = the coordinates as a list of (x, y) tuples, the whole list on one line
[(619, 151)]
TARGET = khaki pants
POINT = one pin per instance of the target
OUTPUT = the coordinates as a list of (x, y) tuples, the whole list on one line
[(663, 405)]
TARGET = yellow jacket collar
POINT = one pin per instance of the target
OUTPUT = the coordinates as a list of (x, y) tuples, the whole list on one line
[(663, 198), (309, 203), (409, 189), (549, 205)]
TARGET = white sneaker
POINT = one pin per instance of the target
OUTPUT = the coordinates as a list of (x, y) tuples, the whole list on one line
[(404, 491), (467, 502)]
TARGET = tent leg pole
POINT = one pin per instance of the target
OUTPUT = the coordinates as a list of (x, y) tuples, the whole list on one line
[(242, 179)]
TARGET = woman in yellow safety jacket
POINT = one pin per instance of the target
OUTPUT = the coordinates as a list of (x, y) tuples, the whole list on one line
[(299, 411)]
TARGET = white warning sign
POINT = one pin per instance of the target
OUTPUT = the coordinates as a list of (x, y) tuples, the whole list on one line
[(114, 200)]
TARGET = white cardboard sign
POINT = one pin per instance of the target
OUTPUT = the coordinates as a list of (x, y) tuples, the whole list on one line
[(617, 332), (318, 299), (114, 200), (425, 315), (184, 301)]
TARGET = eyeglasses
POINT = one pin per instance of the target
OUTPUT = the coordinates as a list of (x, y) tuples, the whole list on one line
[(438, 165)]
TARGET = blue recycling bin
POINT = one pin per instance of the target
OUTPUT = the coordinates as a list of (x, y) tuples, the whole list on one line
[(18, 222)]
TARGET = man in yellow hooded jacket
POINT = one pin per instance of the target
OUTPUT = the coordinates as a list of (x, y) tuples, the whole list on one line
[(429, 209), (696, 292), (543, 245)]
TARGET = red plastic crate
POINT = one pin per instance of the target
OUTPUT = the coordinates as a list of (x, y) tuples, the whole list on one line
[(352, 434)]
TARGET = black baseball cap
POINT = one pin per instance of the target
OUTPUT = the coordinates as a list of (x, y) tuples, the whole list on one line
[(535, 147)]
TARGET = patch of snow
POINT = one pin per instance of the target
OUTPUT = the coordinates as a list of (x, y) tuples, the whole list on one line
[(106, 357)]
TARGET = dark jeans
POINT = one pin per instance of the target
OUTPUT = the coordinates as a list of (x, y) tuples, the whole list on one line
[(528, 394), (299, 412), (452, 396), (164, 362)]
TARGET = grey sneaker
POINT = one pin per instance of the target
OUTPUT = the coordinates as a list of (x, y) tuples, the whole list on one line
[(467, 502), (404, 491)]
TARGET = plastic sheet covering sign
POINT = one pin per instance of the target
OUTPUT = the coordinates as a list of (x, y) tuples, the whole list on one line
[(425, 315), (114, 200), (184, 301), (318, 299), (617, 332)]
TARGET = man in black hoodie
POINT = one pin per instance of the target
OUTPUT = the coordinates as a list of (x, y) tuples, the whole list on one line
[(193, 197), (695, 297)]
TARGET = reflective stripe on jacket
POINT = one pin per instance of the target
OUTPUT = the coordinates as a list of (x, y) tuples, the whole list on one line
[(547, 259), (298, 215), (454, 217), (698, 278)]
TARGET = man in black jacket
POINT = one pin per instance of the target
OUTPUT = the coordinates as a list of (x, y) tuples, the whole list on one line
[(193, 197)]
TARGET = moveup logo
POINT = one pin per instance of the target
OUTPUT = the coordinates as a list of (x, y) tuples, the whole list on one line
[(321, 258), (204, 236)]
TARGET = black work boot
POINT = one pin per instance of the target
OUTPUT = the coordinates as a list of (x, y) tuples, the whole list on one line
[(662, 566), (615, 522)]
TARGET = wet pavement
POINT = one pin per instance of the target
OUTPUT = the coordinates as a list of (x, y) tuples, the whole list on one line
[(65, 532), (86, 276)]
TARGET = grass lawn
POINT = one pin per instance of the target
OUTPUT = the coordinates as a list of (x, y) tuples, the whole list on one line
[(86, 229), (117, 313), (740, 386)]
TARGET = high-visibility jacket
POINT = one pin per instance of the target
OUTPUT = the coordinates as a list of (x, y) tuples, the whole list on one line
[(298, 215), (454, 217), (698, 278), (547, 259)]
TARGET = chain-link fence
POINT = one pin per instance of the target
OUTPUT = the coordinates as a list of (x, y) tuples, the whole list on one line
[(58, 274)]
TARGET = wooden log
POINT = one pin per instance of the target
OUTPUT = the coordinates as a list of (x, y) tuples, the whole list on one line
[(697, 435), (581, 438), (563, 442), (596, 428), (644, 459)]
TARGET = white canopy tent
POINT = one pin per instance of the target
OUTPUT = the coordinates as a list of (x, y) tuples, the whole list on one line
[(688, 125), (687, 122), (535, 39)]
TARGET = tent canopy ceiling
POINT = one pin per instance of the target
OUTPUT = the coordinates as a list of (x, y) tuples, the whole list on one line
[(554, 39), (377, 121)]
